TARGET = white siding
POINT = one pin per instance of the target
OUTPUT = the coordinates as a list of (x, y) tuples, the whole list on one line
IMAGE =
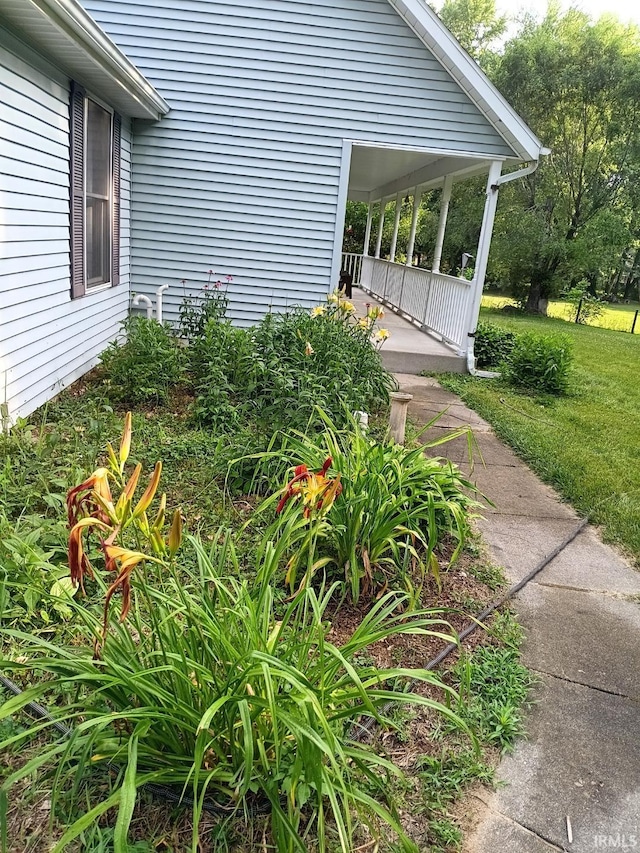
[(243, 175), (47, 340)]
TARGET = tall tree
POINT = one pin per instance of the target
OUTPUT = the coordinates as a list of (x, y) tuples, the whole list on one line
[(477, 26), (577, 83)]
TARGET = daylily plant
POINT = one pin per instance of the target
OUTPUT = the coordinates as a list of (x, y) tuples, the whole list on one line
[(91, 508), (318, 493)]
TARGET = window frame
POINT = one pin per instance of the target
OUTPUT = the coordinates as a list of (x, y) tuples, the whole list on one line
[(78, 127), (92, 287)]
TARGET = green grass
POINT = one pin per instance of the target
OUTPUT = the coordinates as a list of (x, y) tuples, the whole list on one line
[(586, 444), (614, 317)]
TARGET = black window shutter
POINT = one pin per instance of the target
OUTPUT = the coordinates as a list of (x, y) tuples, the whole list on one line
[(115, 238), (76, 156)]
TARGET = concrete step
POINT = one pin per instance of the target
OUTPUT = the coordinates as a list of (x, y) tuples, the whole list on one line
[(415, 363)]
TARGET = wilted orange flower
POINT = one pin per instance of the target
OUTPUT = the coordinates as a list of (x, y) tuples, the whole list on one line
[(79, 564), (81, 500)]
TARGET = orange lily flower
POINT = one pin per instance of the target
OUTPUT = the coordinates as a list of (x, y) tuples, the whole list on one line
[(318, 491)]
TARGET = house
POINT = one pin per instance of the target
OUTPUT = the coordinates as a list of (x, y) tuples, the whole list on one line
[(145, 143)]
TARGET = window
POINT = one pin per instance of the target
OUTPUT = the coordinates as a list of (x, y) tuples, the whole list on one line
[(95, 194)]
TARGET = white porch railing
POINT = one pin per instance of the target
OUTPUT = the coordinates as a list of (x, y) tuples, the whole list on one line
[(437, 302), (352, 263)]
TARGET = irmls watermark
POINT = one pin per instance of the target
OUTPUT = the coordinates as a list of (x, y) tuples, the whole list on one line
[(618, 841)]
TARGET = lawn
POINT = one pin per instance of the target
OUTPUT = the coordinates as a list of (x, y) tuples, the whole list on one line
[(217, 627), (586, 444), (615, 317)]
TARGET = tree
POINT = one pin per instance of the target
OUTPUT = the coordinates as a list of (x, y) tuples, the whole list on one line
[(477, 26), (577, 83)]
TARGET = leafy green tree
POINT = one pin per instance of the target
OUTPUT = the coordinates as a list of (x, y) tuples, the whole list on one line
[(577, 83), (477, 26)]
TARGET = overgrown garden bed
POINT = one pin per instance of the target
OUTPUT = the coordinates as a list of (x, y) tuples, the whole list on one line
[(225, 639)]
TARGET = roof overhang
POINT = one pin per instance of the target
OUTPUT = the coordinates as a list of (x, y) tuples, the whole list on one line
[(66, 35), (470, 77), (381, 171)]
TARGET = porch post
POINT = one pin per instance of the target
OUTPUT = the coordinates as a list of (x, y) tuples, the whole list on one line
[(482, 254), (383, 207), (417, 198), (367, 231), (442, 224), (396, 226)]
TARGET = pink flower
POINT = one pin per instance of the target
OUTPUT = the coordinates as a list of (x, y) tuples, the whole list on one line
[(211, 272), (229, 278), (217, 285), (183, 281)]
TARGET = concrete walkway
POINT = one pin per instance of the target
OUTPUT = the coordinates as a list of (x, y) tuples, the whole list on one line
[(581, 615)]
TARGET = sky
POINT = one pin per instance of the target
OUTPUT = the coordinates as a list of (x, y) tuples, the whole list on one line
[(626, 10)]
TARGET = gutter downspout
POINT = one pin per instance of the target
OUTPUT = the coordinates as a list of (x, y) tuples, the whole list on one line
[(529, 169)]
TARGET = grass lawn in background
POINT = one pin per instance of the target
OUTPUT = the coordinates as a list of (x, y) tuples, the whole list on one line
[(616, 317), (586, 444)]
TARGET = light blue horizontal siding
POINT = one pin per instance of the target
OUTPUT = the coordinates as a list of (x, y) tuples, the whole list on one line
[(47, 340), (243, 174)]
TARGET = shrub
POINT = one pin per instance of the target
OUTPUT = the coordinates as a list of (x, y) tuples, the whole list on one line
[(324, 359), (145, 366), (222, 362), (540, 363), (397, 508), (493, 345), (584, 306)]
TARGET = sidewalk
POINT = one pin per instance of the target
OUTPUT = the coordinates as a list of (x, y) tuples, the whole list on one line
[(581, 758)]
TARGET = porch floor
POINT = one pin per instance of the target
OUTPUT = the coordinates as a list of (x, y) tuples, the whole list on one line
[(408, 349)]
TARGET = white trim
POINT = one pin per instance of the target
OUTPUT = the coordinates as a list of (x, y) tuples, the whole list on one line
[(69, 18), (436, 37), (341, 212)]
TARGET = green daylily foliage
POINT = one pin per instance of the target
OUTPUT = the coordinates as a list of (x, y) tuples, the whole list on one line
[(215, 687)]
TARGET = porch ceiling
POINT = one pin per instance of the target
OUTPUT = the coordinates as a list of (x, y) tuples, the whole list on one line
[(378, 171)]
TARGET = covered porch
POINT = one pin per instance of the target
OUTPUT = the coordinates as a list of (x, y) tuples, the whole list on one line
[(439, 308)]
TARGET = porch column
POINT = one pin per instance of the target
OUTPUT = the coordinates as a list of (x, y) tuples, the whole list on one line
[(383, 207), (367, 230), (482, 254), (396, 226), (417, 198), (442, 224)]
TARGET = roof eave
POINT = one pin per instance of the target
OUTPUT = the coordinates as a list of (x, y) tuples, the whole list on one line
[(68, 18), (452, 56)]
